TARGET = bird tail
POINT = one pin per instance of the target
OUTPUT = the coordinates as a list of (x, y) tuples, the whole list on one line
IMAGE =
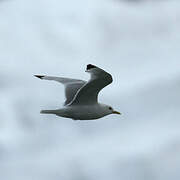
[(47, 112)]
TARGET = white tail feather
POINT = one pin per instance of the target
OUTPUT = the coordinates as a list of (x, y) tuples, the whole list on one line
[(47, 112)]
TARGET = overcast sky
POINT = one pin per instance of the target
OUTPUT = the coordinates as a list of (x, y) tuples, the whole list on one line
[(137, 43)]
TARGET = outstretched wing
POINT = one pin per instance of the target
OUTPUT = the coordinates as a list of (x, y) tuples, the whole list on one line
[(71, 85), (88, 93)]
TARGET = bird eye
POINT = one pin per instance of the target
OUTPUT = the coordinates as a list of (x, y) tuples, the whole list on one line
[(110, 108)]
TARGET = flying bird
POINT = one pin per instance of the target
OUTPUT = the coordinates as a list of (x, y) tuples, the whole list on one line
[(82, 96)]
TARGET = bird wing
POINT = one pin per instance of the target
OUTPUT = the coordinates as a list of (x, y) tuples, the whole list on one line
[(88, 93), (71, 85)]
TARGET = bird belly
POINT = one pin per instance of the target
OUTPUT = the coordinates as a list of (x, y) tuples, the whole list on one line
[(81, 112), (86, 113)]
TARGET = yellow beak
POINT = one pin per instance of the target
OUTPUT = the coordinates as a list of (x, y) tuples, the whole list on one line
[(116, 112)]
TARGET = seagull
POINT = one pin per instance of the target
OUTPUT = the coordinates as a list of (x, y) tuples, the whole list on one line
[(82, 96)]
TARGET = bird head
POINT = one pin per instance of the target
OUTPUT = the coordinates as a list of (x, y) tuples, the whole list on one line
[(109, 110), (112, 111)]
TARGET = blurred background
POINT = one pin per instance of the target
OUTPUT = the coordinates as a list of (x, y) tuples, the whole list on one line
[(138, 42)]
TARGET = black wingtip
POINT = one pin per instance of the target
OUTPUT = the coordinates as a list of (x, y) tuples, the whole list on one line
[(90, 66), (39, 76)]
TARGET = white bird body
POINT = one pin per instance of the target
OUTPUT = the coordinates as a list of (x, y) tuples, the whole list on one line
[(81, 112), (82, 97)]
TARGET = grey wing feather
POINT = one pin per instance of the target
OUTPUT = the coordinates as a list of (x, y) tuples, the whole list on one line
[(71, 85), (71, 89), (88, 93)]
